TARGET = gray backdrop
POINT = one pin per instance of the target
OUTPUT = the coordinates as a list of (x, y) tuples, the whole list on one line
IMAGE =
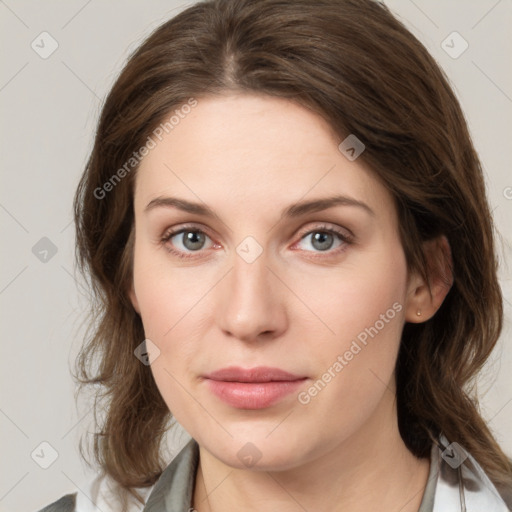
[(59, 60)]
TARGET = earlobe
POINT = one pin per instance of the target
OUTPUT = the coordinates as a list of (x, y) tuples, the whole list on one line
[(425, 298)]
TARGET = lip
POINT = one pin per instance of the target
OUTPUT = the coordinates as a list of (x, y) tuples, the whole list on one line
[(252, 388)]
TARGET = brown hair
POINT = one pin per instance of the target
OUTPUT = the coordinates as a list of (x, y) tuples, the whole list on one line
[(358, 67)]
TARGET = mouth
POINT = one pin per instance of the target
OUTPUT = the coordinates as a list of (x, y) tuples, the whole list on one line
[(253, 388)]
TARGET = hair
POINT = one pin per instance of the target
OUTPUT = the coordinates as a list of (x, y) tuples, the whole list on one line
[(353, 63)]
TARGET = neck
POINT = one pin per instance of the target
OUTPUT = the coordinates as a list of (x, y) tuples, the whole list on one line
[(370, 470)]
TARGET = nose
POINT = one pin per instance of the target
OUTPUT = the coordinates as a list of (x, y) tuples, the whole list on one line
[(250, 305)]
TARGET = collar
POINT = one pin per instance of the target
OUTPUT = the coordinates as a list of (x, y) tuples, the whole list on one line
[(461, 485), (174, 489)]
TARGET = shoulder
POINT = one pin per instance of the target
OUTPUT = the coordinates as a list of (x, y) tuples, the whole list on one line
[(460, 480), (102, 494), (65, 504)]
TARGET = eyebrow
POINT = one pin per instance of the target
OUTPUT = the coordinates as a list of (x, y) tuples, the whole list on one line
[(295, 210)]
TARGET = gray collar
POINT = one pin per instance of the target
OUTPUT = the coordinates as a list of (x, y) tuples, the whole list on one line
[(456, 483), (173, 490)]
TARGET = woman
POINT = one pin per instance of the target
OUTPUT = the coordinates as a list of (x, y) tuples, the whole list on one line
[(279, 217)]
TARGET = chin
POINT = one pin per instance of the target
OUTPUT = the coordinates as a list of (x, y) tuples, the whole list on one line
[(260, 452)]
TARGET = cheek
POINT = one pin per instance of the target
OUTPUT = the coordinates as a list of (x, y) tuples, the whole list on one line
[(364, 307), (169, 306), (166, 295), (366, 295), (174, 306), (355, 368)]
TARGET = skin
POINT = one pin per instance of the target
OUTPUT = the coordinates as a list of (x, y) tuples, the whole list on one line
[(296, 307)]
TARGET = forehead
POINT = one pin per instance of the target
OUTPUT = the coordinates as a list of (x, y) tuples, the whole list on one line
[(255, 149)]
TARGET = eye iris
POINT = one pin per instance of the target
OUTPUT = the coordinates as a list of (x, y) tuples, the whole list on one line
[(325, 240), (193, 240)]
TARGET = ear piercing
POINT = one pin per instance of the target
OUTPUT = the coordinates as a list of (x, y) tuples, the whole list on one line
[(418, 312)]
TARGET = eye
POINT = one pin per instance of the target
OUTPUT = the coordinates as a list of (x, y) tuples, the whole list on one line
[(184, 241), (325, 239)]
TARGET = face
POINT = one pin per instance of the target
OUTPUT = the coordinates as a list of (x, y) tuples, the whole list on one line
[(270, 279)]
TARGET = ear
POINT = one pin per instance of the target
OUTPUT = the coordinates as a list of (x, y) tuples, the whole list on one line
[(425, 298), (133, 299)]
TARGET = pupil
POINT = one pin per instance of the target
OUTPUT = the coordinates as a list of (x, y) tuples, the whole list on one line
[(193, 240), (324, 239)]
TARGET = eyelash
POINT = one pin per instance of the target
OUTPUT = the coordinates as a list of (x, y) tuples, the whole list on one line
[(344, 237)]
